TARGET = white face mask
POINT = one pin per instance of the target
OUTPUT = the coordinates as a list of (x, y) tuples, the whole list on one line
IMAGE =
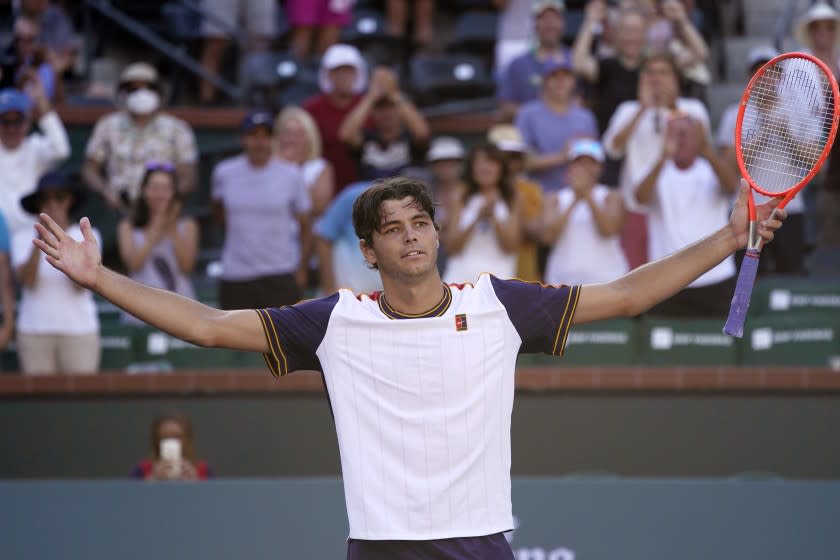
[(142, 102)]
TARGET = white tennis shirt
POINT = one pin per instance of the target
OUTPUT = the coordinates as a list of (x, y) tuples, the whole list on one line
[(422, 406)]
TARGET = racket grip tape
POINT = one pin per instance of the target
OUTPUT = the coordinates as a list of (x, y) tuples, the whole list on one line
[(743, 291)]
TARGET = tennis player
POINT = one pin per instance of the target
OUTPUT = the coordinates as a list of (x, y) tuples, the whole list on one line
[(420, 376)]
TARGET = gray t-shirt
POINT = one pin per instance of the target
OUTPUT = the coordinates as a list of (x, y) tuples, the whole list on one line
[(261, 209), (546, 131)]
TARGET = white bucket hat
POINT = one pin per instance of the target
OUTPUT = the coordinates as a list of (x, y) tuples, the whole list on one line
[(817, 12), (342, 55)]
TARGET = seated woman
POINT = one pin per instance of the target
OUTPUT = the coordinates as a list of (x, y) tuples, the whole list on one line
[(173, 453), (58, 325), (483, 233), (158, 246)]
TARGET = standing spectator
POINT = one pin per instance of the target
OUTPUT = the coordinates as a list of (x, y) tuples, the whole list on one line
[(398, 134), (514, 33), (520, 82), (787, 253), (158, 245), (670, 30), (423, 14), (173, 452), (264, 207), (342, 79), (124, 140), (26, 58), (342, 265), (7, 289), (297, 140), (140, 131), (817, 32), (507, 139), (58, 325), (25, 157), (614, 78), (484, 235), (636, 132), (550, 123), (57, 33), (582, 223), (687, 195), (321, 20), (259, 18)]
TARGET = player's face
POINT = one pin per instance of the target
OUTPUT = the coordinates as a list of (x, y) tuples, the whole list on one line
[(405, 246)]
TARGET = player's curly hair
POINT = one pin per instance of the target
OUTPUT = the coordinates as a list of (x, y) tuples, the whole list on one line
[(367, 210)]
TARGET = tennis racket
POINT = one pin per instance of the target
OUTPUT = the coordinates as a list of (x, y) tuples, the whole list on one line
[(786, 125)]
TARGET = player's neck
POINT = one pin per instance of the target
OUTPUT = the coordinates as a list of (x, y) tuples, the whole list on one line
[(413, 299)]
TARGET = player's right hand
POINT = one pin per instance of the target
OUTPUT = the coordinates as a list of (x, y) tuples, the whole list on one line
[(80, 261)]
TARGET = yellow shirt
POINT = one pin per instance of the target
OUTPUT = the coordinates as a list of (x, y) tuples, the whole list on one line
[(530, 199)]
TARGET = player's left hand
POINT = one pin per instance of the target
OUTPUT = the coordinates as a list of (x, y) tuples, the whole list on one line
[(766, 227)]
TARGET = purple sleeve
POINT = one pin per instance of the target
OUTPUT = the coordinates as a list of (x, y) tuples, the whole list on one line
[(541, 314), (294, 333)]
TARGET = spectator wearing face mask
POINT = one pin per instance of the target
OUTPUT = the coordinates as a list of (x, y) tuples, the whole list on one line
[(140, 131)]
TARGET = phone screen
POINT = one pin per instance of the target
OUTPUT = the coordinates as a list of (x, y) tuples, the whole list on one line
[(170, 449)]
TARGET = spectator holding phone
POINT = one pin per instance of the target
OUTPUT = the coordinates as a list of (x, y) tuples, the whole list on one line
[(173, 452)]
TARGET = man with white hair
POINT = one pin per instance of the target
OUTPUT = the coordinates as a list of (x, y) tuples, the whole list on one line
[(342, 79)]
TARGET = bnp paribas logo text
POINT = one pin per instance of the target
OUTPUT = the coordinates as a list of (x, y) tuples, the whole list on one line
[(537, 552)]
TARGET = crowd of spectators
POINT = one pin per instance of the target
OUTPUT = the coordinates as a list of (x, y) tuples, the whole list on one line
[(604, 157)]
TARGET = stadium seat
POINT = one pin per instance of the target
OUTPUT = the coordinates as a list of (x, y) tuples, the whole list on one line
[(686, 342), (265, 75), (116, 342), (436, 78), (824, 263), (475, 33), (793, 339), (182, 23), (367, 33)]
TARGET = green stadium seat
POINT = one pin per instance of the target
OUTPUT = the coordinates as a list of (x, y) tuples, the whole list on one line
[(801, 339), (686, 342), (781, 296), (612, 342), (117, 344)]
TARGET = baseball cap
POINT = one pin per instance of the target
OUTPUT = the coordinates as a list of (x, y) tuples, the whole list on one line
[(14, 101), (556, 63), (586, 147), (542, 5), (341, 55), (445, 147), (507, 138), (760, 55), (139, 72), (257, 118)]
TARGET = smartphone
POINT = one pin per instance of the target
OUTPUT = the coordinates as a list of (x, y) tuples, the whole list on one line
[(170, 449)]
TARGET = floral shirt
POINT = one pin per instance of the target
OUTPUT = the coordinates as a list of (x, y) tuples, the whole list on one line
[(124, 149)]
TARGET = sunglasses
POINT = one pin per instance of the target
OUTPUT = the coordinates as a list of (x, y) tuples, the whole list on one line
[(164, 166), (131, 87)]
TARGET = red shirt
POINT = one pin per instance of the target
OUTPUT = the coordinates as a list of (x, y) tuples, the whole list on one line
[(328, 117)]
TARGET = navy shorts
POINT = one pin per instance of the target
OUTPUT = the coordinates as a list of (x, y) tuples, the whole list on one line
[(488, 547)]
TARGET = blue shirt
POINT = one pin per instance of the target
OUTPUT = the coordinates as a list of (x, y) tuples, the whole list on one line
[(546, 131), (5, 243), (336, 224), (521, 81)]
